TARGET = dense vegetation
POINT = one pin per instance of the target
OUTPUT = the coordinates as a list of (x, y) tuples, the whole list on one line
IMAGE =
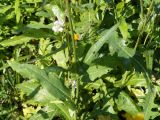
[(80, 59)]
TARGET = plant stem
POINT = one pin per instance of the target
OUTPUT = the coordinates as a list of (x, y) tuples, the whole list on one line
[(74, 51), (141, 4), (72, 33), (146, 39), (144, 19)]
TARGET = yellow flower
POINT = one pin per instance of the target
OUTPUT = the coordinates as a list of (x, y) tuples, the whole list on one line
[(76, 37), (138, 116)]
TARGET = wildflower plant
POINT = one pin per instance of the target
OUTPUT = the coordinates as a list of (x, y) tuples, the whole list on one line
[(79, 59)]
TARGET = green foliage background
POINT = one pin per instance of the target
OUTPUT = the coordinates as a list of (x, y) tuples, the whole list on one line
[(111, 73)]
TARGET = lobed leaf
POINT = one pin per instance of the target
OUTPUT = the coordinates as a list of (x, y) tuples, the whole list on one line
[(90, 56)]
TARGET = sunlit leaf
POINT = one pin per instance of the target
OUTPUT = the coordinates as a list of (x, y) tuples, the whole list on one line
[(96, 47), (124, 29), (52, 84), (15, 41), (124, 102), (37, 25)]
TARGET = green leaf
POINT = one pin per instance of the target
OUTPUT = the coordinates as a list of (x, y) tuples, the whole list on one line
[(124, 102), (46, 113), (37, 25), (96, 71), (17, 10), (33, 1), (28, 87), (62, 58), (149, 103), (131, 79), (96, 47), (5, 8), (43, 14), (53, 85), (43, 97), (151, 90), (38, 33), (119, 8), (149, 59), (124, 29), (102, 66), (137, 80), (119, 46), (15, 40)]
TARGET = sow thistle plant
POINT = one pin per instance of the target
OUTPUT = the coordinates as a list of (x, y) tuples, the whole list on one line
[(81, 60)]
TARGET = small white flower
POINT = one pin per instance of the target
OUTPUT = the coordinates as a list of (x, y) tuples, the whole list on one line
[(74, 84), (58, 26)]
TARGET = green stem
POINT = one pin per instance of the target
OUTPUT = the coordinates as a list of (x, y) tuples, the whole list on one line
[(137, 42), (146, 39), (74, 52), (72, 33), (141, 4), (144, 19)]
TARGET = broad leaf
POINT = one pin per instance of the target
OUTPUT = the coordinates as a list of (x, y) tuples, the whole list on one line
[(96, 47), (124, 102), (131, 79), (124, 29), (15, 40), (96, 71), (28, 87), (119, 46), (102, 66), (37, 25), (52, 84), (46, 113), (43, 97)]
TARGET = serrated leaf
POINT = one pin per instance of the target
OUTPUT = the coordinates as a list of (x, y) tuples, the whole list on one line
[(124, 102), (148, 107), (119, 46), (90, 56)]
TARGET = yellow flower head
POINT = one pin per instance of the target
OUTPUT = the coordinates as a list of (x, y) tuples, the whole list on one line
[(138, 116), (76, 37)]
